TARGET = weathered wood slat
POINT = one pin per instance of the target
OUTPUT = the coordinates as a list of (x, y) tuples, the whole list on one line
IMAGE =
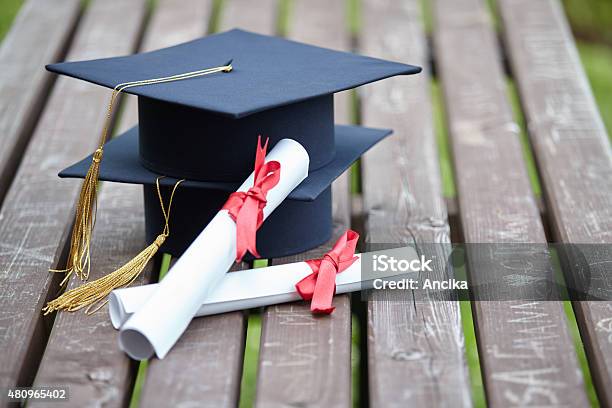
[(203, 369), (37, 210), (106, 376), (82, 351), (306, 360), (39, 35), (207, 360), (572, 152), (243, 14), (415, 344), (526, 361)]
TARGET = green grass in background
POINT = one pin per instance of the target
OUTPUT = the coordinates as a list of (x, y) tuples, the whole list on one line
[(582, 359), (355, 360), (444, 149), (251, 356), (572, 324), (282, 18), (590, 19), (527, 152), (248, 382), (597, 61), (143, 366), (353, 16), (141, 375), (471, 354), (215, 16), (8, 11), (469, 335)]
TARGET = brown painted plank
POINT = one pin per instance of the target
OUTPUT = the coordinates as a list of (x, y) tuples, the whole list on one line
[(39, 35), (525, 361), (243, 14), (572, 152), (207, 360), (37, 210), (415, 345), (306, 360)]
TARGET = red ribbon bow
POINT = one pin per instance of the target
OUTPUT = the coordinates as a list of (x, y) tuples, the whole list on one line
[(320, 285), (246, 208)]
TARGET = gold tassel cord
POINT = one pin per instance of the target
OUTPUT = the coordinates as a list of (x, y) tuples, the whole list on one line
[(79, 259), (95, 291)]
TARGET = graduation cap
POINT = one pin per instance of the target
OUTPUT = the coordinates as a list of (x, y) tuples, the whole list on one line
[(200, 117)]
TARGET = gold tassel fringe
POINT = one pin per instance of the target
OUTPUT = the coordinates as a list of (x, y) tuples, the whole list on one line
[(79, 260), (93, 292)]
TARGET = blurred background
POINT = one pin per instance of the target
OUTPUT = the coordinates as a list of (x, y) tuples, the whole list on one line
[(591, 22)]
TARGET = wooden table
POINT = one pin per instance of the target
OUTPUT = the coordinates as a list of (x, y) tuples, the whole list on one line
[(412, 349)]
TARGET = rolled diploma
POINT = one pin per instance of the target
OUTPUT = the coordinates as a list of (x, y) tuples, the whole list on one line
[(246, 289), (165, 315)]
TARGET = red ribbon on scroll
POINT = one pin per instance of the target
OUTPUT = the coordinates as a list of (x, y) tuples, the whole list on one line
[(320, 285), (246, 208)]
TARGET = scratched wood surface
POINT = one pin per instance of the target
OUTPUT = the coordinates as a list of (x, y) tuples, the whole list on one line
[(35, 39), (415, 341), (82, 351), (536, 365), (38, 206), (105, 377), (306, 360), (207, 360), (572, 152), (204, 368)]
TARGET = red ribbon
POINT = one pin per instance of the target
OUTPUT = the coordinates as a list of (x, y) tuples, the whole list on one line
[(246, 208), (320, 285)]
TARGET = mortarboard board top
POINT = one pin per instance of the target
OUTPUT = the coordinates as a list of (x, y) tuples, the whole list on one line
[(268, 72)]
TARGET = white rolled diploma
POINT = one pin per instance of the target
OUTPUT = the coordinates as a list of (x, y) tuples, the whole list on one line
[(247, 289), (165, 315)]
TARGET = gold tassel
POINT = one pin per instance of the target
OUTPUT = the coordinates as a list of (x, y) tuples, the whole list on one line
[(79, 258), (93, 292)]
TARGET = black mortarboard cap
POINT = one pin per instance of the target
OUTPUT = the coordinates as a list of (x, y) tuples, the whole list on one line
[(205, 129)]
